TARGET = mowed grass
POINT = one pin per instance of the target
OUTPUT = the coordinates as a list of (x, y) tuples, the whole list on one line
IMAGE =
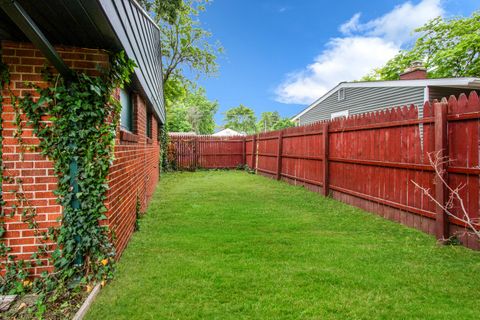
[(230, 245)]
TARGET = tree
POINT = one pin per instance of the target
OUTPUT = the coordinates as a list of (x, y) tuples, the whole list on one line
[(175, 91), (186, 45), (448, 48), (192, 111), (283, 123), (177, 119), (240, 118), (164, 9), (201, 111), (268, 120), (272, 121)]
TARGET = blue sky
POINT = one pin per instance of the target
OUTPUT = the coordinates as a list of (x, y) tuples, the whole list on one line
[(282, 54)]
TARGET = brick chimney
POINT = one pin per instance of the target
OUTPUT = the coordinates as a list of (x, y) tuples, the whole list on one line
[(415, 72)]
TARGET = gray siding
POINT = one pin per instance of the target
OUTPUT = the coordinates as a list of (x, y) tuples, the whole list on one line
[(364, 99)]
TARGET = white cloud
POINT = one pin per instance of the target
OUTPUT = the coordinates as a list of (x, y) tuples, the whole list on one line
[(398, 24), (363, 47), (344, 59), (351, 25)]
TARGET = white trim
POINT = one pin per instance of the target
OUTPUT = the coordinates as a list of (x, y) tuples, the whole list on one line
[(426, 94), (339, 114), (473, 83)]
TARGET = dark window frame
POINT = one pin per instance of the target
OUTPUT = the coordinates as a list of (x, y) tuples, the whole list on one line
[(148, 125), (127, 99)]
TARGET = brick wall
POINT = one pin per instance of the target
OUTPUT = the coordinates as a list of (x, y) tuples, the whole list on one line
[(134, 172)]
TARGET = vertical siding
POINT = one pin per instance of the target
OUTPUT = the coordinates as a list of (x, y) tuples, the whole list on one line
[(140, 37), (361, 100)]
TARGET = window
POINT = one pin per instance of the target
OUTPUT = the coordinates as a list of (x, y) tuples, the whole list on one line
[(149, 124), (339, 114), (341, 94), (126, 115)]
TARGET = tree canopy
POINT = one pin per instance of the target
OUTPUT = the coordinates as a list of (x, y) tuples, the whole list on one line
[(272, 121), (162, 9), (447, 48), (241, 119), (186, 55), (283, 123), (191, 110), (201, 111), (186, 45), (267, 120)]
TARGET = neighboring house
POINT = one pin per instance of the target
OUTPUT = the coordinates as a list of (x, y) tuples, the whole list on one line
[(228, 133), (349, 98), (76, 34)]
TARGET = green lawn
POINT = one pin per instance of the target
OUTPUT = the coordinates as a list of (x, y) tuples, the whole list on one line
[(230, 245)]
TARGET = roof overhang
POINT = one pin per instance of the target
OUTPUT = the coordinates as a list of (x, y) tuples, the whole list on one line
[(467, 83), (31, 30), (101, 24)]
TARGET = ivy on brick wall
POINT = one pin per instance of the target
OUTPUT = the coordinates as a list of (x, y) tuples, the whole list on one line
[(76, 119), (16, 271), (4, 81)]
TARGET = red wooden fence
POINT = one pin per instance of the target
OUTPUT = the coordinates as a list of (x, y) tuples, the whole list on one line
[(370, 160), (189, 152)]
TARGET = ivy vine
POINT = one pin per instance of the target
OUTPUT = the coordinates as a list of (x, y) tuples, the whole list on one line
[(76, 119), (15, 279), (164, 142), (4, 82)]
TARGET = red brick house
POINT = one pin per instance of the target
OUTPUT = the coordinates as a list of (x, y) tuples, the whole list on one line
[(77, 35)]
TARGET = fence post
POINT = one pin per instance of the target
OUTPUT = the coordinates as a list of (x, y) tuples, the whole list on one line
[(279, 155), (441, 228), (195, 153), (326, 173), (244, 151), (254, 152)]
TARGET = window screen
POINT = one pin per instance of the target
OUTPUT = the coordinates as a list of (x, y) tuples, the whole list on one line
[(126, 115)]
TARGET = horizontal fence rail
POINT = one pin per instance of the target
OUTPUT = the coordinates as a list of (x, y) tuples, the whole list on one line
[(369, 160)]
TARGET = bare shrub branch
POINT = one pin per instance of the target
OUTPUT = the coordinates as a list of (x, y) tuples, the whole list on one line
[(437, 161)]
